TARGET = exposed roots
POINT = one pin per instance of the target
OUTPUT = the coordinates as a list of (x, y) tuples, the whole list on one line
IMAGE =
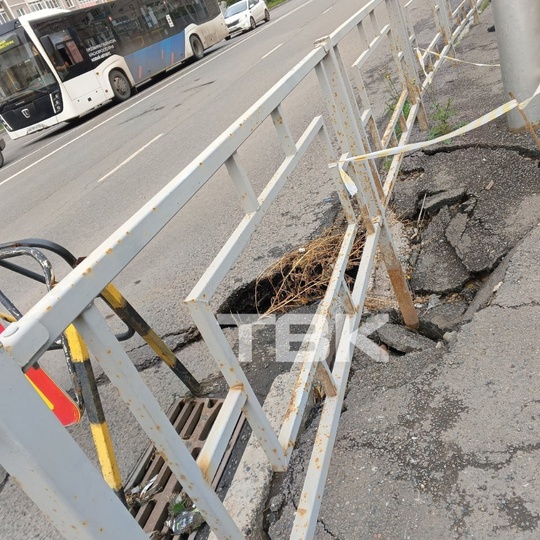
[(301, 276)]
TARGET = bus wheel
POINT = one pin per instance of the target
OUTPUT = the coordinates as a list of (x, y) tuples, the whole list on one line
[(266, 15), (120, 86), (196, 47)]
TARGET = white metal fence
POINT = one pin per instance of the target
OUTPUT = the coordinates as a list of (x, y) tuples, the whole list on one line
[(42, 456)]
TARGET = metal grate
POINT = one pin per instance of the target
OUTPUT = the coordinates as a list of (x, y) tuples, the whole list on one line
[(193, 419)]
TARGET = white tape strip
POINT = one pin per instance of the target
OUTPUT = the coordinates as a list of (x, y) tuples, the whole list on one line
[(418, 49), (489, 117), (421, 61), (348, 182)]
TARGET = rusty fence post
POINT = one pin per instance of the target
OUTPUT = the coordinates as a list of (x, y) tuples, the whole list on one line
[(406, 58), (334, 86)]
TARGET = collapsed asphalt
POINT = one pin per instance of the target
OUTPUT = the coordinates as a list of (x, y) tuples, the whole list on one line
[(444, 442)]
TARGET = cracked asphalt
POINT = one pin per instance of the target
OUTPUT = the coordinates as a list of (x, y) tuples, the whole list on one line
[(445, 443)]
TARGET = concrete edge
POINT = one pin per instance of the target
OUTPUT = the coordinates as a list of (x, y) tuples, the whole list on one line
[(246, 498)]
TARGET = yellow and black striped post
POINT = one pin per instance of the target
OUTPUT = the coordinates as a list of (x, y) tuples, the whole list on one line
[(78, 354), (7, 317), (127, 313)]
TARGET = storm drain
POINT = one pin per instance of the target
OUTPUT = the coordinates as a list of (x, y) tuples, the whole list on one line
[(152, 486)]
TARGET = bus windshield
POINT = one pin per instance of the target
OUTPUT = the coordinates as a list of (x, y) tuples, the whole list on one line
[(22, 70)]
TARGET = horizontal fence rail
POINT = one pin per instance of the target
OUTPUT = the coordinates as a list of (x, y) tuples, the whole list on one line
[(43, 457)]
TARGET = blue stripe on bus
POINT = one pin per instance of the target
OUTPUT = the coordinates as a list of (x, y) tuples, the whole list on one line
[(147, 62)]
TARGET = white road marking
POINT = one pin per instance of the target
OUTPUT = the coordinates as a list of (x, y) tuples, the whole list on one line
[(327, 10), (199, 65), (30, 141), (130, 158), (270, 52)]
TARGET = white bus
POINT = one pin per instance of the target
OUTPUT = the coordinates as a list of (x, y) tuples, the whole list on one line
[(56, 65)]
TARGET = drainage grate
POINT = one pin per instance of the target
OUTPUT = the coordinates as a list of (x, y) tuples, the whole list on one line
[(193, 419)]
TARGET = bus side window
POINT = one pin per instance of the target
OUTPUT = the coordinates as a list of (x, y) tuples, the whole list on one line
[(129, 25), (93, 28), (200, 9), (212, 8)]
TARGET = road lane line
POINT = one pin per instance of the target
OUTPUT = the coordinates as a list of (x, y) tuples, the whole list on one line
[(31, 141), (270, 52), (135, 154), (198, 66), (327, 10)]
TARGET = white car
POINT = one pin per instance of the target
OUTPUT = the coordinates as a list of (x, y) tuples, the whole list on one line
[(243, 16)]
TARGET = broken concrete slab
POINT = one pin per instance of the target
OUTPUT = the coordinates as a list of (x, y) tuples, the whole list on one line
[(489, 288), (499, 210), (478, 247), (434, 203), (403, 340), (405, 198), (446, 315), (456, 228), (438, 268), (414, 456)]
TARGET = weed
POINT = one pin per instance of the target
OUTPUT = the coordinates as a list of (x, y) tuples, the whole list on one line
[(484, 5), (441, 117), (391, 103), (393, 92)]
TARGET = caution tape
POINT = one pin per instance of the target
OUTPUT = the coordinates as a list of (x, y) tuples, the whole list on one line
[(485, 119), (418, 49)]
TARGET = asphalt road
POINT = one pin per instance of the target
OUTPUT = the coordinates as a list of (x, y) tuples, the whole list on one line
[(76, 184)]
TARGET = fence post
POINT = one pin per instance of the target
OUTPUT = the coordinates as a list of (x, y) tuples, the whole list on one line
[(517, 26), (442, 20), (407, 65), (333, 81)]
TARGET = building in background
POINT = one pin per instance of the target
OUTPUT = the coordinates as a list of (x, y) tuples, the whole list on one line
[(11, 9)]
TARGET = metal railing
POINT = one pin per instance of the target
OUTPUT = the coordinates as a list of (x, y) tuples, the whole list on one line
[(43, 457)]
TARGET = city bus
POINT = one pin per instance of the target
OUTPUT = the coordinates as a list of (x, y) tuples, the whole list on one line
[(56, 65)]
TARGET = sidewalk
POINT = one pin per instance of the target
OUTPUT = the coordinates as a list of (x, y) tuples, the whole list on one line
[(444, 443)]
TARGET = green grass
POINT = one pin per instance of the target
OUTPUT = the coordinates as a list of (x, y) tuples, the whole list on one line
[(274, 3), (441, 118), (484, 5), (392, 101)]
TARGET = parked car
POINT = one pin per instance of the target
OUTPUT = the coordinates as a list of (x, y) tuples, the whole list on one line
[(243, 16)]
